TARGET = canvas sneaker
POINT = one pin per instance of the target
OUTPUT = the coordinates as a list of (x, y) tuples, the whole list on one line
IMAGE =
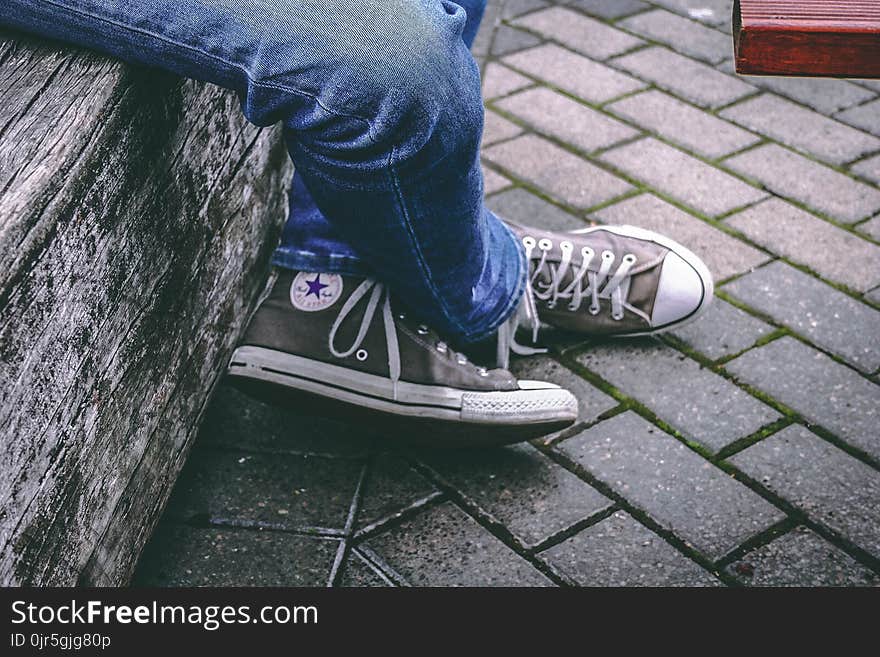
[(345, 339), (610, 281)]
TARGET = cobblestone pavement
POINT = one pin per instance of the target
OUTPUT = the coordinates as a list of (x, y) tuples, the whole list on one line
[(742, 450)]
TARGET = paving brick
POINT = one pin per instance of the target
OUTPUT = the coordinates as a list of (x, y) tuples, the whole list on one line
[(866, 117), (692, 80), (826, 95), (461, 552), (803, 129), (685, 178), (519, 487), (800, 558), (723, 254), (285, 490), (712, 12), (681, 34), (242, 421), (592, 401), (828, 485), (184, 556), (497, 128), (360, 573), (516, 7), (563, 175), (621, 552), (824, 392), (791, 232), (873, 295), (684, 124), (573, 73), (508, 40), (700, 404), (499, 80), (566, 119), (391, 486), (586, 35), (493, 181), (679, 489), (869, 84), (608, 8), (871, 227), (794, 176), (869, 168), (811, 308), (722, 331), (522, 207)]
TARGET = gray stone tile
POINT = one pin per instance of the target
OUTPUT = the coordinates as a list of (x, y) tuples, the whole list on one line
[(686, 36), (532, 496), (869, 84), (681, 176), (566, 119), (866, 117), (800, 558), (592, 401), (869, 168), (805, 239), (498, 80), (522, 207), (827, 484), (723, 254), (516, 7), (391, 486), (508, 40), (497, 128), (185, 556), (722, 331), (824, 392), (679, 489), (873, 295), (359, 573), (794, 176), (684, 124), (685, 77), (815, 310), (493, 181), (579, 76), (608, 8), (702, 405), (711, 12), (285, 490), (462, 552), (242, 421), (621, 552), (871, 227), (589, 36), (802, 129), (826, 95), (561, 174)]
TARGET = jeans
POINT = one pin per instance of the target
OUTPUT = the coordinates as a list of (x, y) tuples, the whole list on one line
[(382, 115)]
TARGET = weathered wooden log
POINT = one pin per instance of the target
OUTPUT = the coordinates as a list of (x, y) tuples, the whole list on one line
[(137, 216)]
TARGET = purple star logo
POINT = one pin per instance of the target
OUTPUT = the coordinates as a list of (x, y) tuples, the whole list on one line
[(316, 286)]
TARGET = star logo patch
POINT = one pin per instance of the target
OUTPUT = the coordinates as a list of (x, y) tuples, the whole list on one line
[(312, 291)]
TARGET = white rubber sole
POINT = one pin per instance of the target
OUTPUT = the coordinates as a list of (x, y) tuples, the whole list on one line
[(686, 254), (535, 403)]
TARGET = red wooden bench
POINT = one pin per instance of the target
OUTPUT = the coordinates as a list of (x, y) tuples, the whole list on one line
[(835, 38)]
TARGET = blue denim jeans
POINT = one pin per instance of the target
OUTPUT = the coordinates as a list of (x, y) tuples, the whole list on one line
[(382, 115)]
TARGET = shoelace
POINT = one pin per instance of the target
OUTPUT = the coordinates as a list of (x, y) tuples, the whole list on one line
[(545, 284), (380, 294)]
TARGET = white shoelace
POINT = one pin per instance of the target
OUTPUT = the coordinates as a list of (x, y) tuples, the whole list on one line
[(380, 294), (545, 284)]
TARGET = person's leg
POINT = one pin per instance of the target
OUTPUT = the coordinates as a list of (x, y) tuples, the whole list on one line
[(308, 232), (382, 114)]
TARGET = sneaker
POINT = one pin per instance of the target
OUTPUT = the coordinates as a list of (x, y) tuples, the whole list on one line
[(344, 339), (611, 281)]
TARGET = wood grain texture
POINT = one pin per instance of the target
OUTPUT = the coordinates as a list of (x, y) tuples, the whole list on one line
[(835, 38), (137, 216)]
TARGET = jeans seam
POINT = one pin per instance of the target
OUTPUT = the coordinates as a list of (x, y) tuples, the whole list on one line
[(239, 67)]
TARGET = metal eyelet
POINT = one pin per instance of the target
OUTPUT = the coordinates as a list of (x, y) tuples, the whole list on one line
[(461, 359), (528, 242), (401, 316), (616, 317), (566, 245), (587, 252), (607, 255), (422, 330), (441, 347), (361, 355), (630, 258), (594, 310), (550, 305), (545, 244), (482, 371)]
